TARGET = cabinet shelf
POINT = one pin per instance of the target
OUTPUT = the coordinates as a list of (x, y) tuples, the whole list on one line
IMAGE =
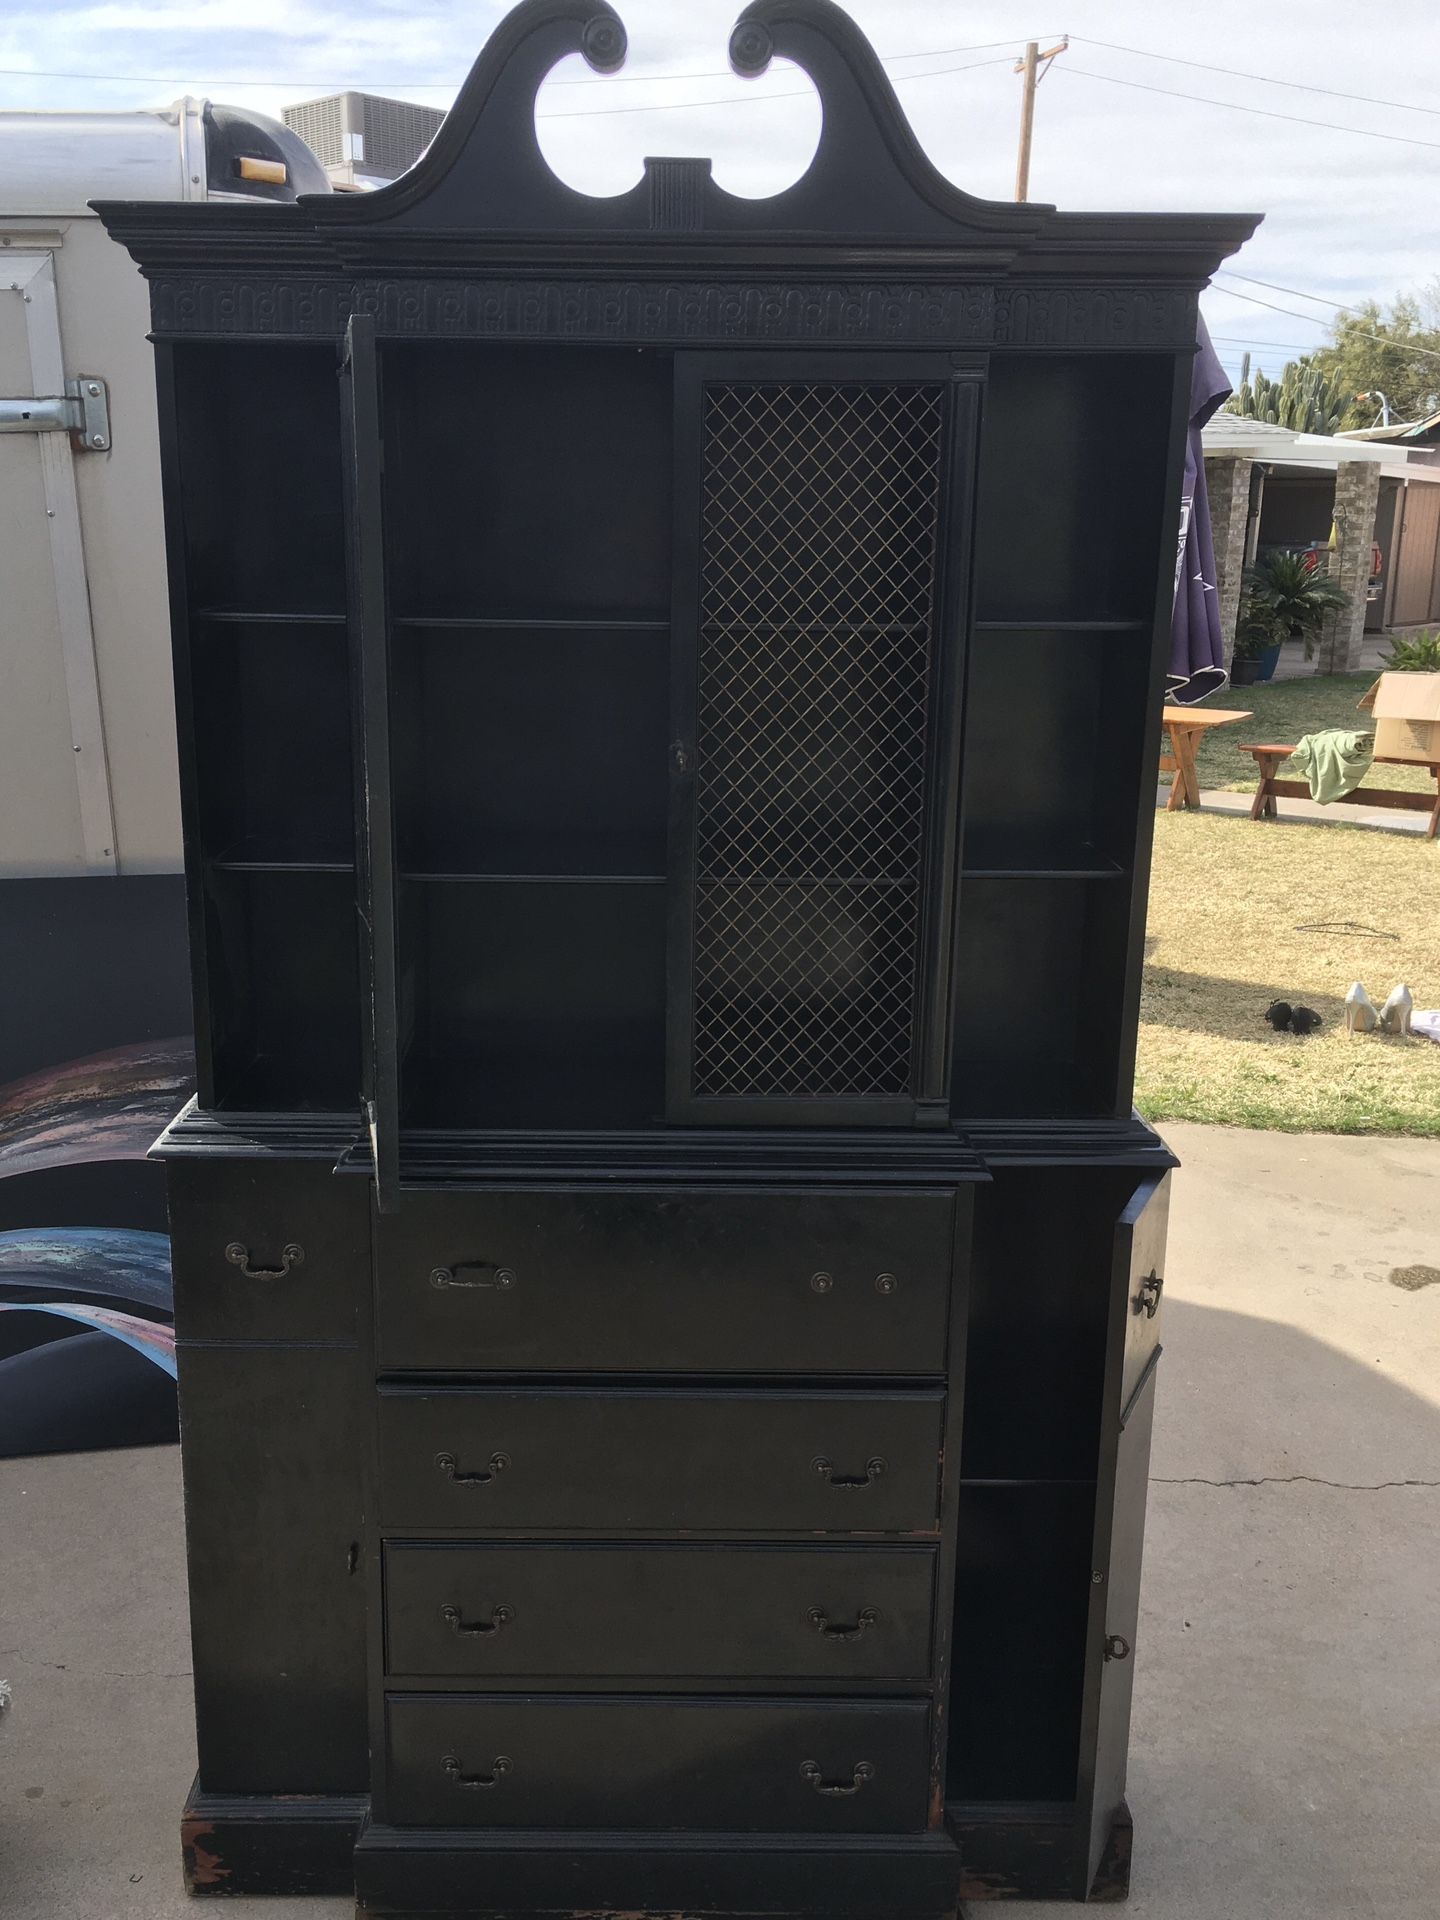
[(1025, 1481), (1054, 863), (995, 851), (1108, 872), (1062, 626), (247, 862), (437, 877), (245, 617), (535, 623)]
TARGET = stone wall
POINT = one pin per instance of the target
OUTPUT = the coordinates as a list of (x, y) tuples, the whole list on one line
[(1357, 493), (1227, 478)]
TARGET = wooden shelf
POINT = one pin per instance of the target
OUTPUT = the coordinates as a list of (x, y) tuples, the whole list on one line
[(1060, 870), (989, 854), (438, 877), (257, 854), (532, 623), (241, 617), (1062, 626), (1037, 1481), (226, 863)]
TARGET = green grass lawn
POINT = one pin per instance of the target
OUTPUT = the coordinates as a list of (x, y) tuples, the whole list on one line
[(1284, 710), (1241, 915)]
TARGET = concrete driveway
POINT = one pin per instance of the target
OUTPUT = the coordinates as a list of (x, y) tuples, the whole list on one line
[(1286, 1759)]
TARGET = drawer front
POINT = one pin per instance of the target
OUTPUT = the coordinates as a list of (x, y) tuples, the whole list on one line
[(659, 1460), (267, 1249), (659, 1612), (757, 1282), (754, 1766)]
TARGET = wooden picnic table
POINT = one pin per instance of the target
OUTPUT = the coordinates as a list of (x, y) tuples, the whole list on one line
[(1187, 726), (1271, 755)]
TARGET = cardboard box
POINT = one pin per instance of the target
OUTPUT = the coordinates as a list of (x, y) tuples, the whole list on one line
[(1406, 707)]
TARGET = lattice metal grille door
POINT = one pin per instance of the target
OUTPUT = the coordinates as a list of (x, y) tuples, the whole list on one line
[(819, 523)]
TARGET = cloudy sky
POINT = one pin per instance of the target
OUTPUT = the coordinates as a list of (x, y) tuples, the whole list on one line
[(1349, 214)]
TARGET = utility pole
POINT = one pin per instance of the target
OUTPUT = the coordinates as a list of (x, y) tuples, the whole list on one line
[(1034, 66)]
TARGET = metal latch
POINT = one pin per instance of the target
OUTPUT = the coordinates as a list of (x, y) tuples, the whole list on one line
[(83, 412)]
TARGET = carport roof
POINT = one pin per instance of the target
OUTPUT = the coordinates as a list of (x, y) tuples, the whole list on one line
[(1319, 452)]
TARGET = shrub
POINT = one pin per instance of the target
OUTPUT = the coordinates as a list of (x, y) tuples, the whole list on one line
[(1415, 653)]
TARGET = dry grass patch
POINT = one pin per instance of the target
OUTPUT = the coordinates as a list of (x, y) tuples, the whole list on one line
[(1227, 901)]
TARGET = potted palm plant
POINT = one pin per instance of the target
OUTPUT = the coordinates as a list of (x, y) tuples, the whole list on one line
[(1257, 634), (1298, 596)]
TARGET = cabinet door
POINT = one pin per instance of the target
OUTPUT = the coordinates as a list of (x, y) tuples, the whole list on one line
[(374, 807), (822, 513), (1132, 1360)]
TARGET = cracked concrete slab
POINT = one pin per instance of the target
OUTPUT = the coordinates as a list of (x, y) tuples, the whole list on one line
[(1287, 1711)]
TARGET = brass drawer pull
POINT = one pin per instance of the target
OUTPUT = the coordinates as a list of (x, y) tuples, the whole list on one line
[(455, 1620), (450, 1467), (820, 1620), (499, 1766), (238, 1254), (836, 1789), (473, 1273), (874, 1467)]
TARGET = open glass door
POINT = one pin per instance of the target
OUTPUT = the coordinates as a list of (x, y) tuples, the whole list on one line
[(1132, 1359), (374, 811), (812, 734)]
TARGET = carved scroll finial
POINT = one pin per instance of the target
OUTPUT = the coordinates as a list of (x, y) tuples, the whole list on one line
[(603, 42), (751, 47)]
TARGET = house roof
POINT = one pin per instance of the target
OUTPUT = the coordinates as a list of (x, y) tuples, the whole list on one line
[(1283, 446)]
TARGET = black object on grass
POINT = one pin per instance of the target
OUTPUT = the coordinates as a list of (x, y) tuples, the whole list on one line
[(1283, 1017)]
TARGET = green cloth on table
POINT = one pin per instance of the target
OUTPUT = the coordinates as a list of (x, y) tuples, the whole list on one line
[(1334, 762)]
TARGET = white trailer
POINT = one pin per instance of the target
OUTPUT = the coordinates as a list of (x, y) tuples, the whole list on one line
[(87, 735)]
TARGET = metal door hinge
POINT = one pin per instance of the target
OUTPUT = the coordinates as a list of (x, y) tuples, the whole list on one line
[(83, 411)]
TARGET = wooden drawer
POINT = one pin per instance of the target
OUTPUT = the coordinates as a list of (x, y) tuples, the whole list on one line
[(659, 1612), (757, 1766), (267, 1249), (740, 1282), (657, 1459)]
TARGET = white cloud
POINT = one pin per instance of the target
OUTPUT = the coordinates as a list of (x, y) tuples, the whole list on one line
[(1346, 215)]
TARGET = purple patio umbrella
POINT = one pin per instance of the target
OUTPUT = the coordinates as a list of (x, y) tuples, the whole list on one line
[(1197, 646)]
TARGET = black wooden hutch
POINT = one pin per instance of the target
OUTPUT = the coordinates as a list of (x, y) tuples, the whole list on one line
[(666, 1268)]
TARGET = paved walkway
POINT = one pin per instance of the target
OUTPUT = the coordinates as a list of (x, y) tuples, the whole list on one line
[(1287, 1713), (1292, 664), (1306, 812)]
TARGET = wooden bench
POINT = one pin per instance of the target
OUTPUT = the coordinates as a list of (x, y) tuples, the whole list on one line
[(1270, 789)]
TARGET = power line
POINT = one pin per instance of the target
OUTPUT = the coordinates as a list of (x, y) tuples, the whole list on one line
[(1276, 346), (1275, 287), (728, 73), (757, 99), (1234, 106), (1359, 333), (609, 80), (1267, 79)]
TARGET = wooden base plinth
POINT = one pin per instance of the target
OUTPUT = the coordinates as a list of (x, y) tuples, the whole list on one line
[(325, 1844), (1037, 1853), (424, 1872), (275, 1844)]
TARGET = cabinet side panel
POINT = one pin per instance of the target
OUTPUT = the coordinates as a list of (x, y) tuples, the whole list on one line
[(271, 1450)]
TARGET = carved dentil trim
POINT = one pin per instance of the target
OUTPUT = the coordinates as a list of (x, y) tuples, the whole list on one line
[(680, 311)]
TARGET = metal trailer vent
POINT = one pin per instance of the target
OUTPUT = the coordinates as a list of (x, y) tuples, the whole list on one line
[(819, 521)]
